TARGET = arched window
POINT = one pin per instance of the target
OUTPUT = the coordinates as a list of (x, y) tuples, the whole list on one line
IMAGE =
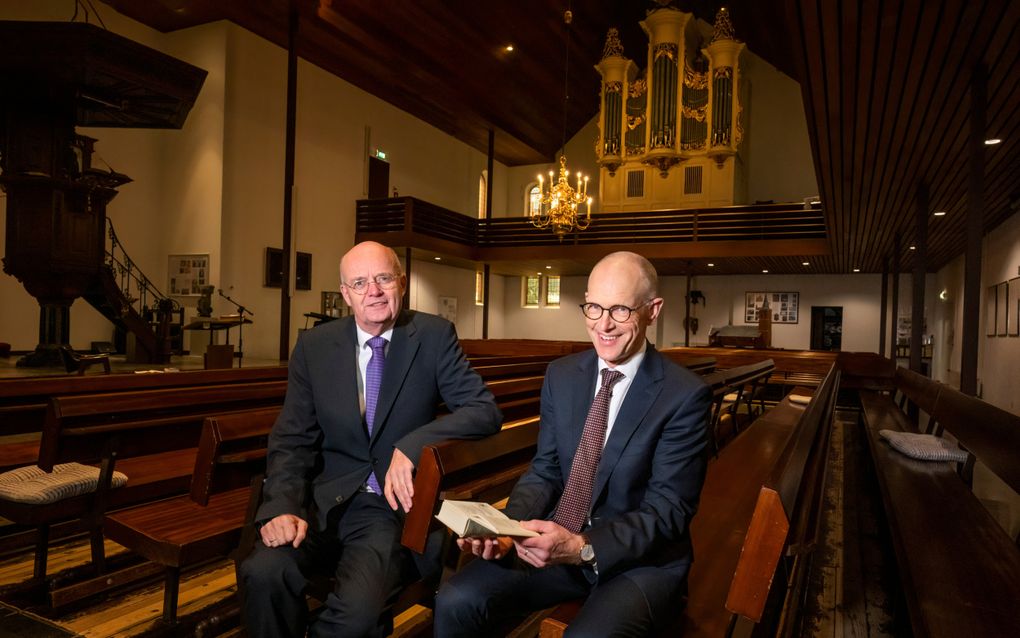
[(483, 186), (534, 198)]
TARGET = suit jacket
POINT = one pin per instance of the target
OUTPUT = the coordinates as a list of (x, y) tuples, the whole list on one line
[(320, 444), (652, 467)]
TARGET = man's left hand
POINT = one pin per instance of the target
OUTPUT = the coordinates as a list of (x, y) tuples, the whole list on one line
[(555, 545), (399, 485)]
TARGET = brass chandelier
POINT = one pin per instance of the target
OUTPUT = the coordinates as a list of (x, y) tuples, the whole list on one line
[(559, 206)]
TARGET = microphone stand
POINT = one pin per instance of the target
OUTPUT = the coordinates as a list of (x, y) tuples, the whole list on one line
[(240, 325)]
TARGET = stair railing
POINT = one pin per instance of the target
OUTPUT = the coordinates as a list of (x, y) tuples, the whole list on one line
[(139, 291)]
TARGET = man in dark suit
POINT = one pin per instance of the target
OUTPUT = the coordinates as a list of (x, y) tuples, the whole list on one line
[(362, 399), (613, 485)]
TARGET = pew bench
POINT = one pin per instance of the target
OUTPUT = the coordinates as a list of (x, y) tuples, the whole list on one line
[(23, 401), (959, 569), (149, 435), (207, 522), (730, 389), (773, 456)]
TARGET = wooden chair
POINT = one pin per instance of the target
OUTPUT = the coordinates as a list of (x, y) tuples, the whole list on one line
[(74, 362)]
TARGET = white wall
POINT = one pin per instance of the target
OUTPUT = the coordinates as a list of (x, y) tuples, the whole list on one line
[(776, 148), (216, 186)]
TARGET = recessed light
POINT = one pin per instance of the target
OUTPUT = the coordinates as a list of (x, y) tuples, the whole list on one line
[(805, 263), (438, 258), (913, 248), (509, 48), (711, 265), (939, 213), (548, 267), (764, 269), (993, 141), (857, 270)]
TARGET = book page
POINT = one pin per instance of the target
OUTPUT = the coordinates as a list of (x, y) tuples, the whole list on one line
[(469, 518)]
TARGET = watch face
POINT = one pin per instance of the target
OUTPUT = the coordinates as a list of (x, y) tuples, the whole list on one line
[(587, 553)]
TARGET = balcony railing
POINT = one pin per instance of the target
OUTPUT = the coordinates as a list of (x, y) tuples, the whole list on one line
[(734, 223)]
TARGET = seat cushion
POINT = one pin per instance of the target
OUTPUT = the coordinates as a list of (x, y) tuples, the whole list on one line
[(30, 484), (924, 447)]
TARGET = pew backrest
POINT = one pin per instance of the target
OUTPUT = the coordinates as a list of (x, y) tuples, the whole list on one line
[(82, 427), (786, 516), (231, 449), (480, 469)]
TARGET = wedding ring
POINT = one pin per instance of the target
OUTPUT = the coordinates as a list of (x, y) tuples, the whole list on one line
[(526, 552)]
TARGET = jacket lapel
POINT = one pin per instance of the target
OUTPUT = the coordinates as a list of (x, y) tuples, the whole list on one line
[(344, 372), (643, 390), (402, 351)]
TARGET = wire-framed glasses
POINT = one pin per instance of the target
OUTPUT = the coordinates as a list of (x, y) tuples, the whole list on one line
[(386, 281)]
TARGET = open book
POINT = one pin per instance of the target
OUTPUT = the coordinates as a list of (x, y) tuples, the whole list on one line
[(468, 518)]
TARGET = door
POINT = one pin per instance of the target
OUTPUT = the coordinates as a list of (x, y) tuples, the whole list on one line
[(826, 327), (378, 178)]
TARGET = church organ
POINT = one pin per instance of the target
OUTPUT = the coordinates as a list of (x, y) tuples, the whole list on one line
[(670, 136)]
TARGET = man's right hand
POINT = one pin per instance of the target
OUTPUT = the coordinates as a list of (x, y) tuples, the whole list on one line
[(285, 529), (487, 548)]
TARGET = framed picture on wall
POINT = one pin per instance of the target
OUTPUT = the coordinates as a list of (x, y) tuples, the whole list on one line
[(186, 274), (784, 306), (448, 309), (1001, 308), (1013, 308), (990, 311)]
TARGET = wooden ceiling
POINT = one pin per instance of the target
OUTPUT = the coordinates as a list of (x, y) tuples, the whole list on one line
[(886, 87)]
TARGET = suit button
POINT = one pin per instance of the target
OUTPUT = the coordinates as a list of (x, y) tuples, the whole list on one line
[(340, 499)]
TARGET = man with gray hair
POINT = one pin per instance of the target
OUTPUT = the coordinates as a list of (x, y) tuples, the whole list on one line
[(363, 398), (613, 486)]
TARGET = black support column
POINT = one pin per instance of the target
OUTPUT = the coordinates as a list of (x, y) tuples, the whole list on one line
[(920, 269), (895, 302), (288, 182), (974, 229), (884, 306)]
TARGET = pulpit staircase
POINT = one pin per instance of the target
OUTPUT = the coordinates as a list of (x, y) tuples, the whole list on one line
[(123, 294)]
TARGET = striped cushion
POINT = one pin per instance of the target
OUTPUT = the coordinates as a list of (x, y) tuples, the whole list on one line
[(30, 484), (924, 447)]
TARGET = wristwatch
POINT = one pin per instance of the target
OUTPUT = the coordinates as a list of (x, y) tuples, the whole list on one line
[(587, 553)]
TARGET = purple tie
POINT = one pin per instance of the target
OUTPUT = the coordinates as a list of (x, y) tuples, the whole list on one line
[(575, 502), (373, 380)]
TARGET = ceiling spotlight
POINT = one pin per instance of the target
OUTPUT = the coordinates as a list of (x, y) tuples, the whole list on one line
[(438, 258), (805, 263), (939, 213), (548, 267), (857, 270), (509, 48), (913, 248), (993, 141), (764, 270), (711, 265)]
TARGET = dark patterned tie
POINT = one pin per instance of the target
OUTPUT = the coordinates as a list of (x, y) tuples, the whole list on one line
[(373, 380), (572, 510)]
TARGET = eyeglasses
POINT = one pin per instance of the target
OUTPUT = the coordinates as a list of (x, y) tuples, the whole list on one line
[(385, 281), (618, 313)]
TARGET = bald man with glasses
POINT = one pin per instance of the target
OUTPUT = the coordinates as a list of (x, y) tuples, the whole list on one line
[(362, 400), (613, 486)]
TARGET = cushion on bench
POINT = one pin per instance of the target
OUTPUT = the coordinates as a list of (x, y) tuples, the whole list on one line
[(30, 484), (924, 447)]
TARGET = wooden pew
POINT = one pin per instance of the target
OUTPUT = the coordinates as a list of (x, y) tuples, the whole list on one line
[(785, 523), (960, 571), (793, 367), (689, 359), (731, 388), (769, 453), (207, 522), (149, 435), (500, 347), (23, 401)]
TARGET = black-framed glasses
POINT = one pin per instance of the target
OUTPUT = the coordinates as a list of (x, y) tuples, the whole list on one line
[(618, 313), (386, 281)]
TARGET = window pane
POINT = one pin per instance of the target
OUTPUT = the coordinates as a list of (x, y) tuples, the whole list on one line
[(531, 286), (534, 200), (552, 290)]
